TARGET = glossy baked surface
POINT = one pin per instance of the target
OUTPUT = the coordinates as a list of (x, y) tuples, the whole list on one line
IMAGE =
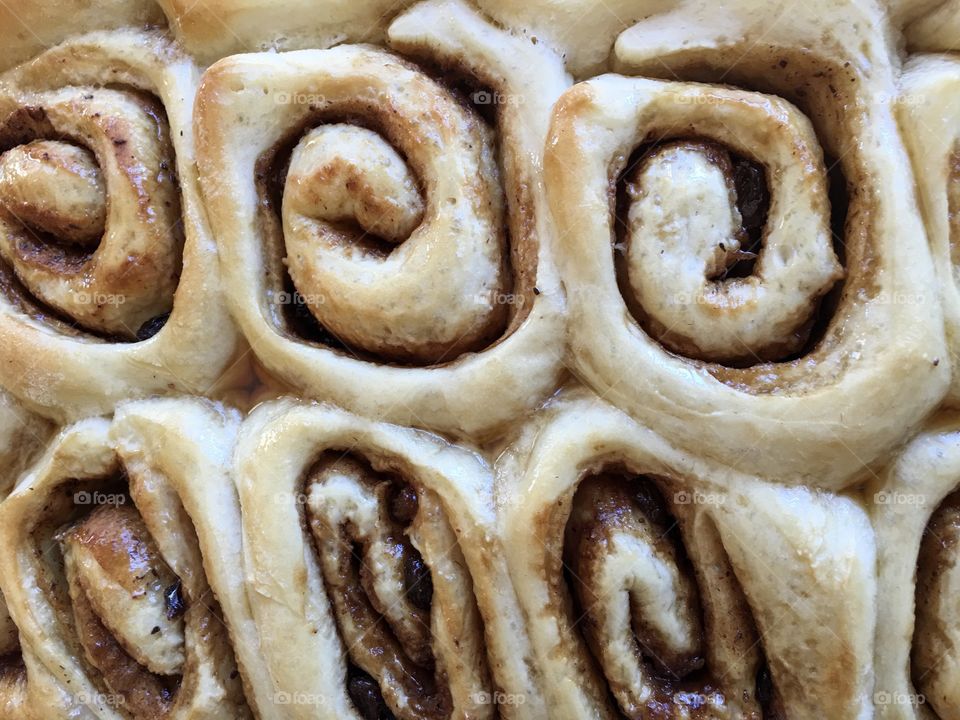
[(466, 359)]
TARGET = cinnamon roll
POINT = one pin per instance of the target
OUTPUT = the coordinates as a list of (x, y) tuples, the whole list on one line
[(116, 554), (916, 515), (109, 285), (929, 109), (376, 232), (721, 286), (657, 585), (375, 573)]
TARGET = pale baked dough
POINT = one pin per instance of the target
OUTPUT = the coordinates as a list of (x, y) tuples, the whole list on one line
[(85, 94), (817, 416), (917, 659), (560, 586), (22, 434), (788, 571), (928, 25), (929, 110), (32, 26), (298, 465), (154, 482)]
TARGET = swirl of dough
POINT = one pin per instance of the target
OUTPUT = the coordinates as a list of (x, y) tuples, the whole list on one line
[(916, 517), (109, 285), (658, 585), (685, 232), (385, 593), (377, 232), (928, 106), (340, 174), (111, 565), (935, 659), (110, 274), (710, 252), (644, 621), (21, 436)]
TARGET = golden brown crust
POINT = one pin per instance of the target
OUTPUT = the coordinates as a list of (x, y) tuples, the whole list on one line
[(32, 26)]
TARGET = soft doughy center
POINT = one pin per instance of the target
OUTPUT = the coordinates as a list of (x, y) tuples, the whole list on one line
[(431, 296), (684, 230), (55, 187)]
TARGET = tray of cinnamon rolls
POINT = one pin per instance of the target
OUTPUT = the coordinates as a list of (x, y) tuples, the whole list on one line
[(480, 360)]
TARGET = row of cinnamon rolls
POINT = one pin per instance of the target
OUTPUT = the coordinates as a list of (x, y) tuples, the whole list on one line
[(176, 561), (454, 216)]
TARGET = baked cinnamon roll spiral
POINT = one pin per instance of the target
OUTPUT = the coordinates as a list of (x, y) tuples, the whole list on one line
[(377, 232), (116, 550), (656, 585), (375, 573), (916, 515), (21, 434), (929, 109), (721, 286), (108, 277)]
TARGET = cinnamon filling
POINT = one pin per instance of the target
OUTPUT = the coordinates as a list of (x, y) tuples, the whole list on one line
[(13, 682), (935, 659), (640, 595), (380, 588)]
